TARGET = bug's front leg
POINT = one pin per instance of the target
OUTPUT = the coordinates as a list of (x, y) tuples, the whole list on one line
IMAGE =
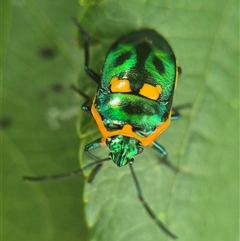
[(85, 36), (88, 148)]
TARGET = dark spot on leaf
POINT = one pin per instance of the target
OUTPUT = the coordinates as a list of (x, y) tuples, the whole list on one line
[(5, 122), (41, 95), (57, 87), (47, 52)]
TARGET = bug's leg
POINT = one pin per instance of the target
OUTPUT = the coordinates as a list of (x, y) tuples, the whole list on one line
[(64, 175), (146, 206), (165, 160), (175, 115), (85, 105), (179, 71), (83, 34), (94, 172), (88, 148), (176, 111), (94, 145)]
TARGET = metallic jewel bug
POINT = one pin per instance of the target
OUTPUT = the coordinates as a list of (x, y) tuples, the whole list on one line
[(133, 102)]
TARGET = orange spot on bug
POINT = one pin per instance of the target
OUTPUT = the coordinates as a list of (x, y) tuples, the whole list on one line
[(150, 91), (120, 86)]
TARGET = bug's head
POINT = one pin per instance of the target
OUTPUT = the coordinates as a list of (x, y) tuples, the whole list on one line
[(123, 149)]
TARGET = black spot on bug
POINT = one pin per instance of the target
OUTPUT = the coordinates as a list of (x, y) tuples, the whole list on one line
[(159, 65), (5, 122), (138, 109), (47, 53), (57, 87), (122, 58), (143, 50)]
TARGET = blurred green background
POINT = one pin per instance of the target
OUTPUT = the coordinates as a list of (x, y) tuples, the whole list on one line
[(41, 59)]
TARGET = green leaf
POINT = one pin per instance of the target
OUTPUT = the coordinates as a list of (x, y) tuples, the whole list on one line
[(201, 202), (41, 60), (38, 122)]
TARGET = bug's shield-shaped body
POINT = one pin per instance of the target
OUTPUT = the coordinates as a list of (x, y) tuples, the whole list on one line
[(133, 102)]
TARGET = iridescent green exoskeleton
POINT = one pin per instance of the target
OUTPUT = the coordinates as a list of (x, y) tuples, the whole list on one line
[(133, 102)]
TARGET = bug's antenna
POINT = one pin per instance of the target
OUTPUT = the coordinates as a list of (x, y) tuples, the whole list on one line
[(146, 206), (64, 175)]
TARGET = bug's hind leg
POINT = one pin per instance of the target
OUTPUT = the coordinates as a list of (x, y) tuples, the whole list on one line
[(85, 36), (165, 160)]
